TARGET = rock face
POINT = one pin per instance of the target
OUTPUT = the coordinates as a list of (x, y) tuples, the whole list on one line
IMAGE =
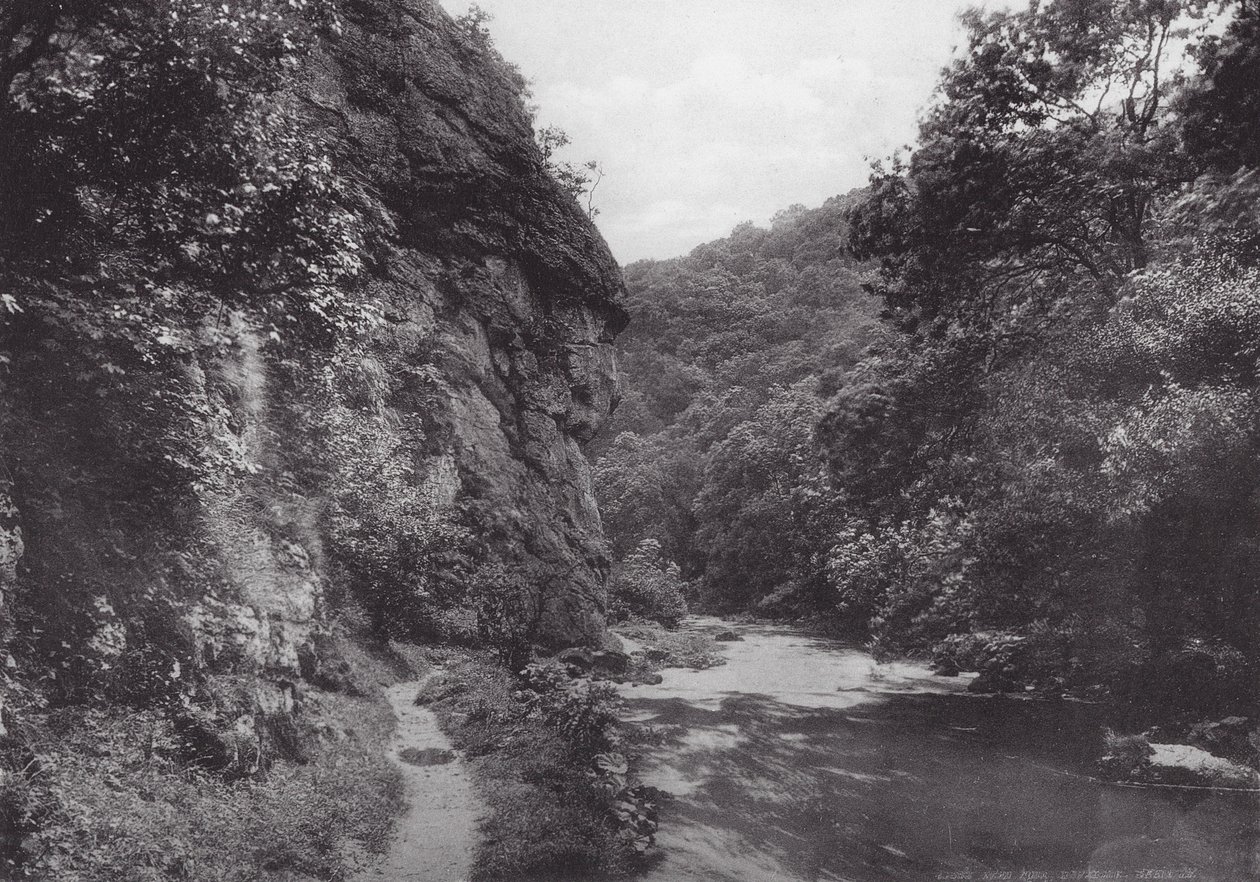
[(497, 280), (493, 366)]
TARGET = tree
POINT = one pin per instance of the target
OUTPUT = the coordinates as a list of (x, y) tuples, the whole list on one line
[(1037, 170), (760, 508), (646, 585), (1044, 462), (151, 157), (739, 338), (1031, 195), (579, 181), (1221, 109)]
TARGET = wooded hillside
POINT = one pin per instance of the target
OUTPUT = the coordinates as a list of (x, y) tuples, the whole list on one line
[(728, 360), (1044, 466)]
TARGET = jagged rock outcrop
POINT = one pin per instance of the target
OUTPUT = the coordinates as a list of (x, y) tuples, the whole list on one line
[(497, 279), (491, 369)]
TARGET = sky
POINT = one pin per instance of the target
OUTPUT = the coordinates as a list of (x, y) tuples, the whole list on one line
[(707, 113)]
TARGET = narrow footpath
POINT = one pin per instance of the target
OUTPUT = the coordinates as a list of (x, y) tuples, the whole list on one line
[(436, 838)]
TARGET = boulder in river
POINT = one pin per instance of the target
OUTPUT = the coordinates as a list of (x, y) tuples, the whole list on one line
[(726, 636), (995, 681), (1186, 764)]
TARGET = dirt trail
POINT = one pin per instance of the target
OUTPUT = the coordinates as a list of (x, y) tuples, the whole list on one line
[(436, 838)]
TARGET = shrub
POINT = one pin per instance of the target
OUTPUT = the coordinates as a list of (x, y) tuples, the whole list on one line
[(104, 798), (634, 806), (1198, 676), (646, 586), (1124, 756), (395, 552), (561, 806), (586, 713), (792, 599), (508, 612)]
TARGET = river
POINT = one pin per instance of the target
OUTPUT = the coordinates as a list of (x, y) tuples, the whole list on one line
[(805, 759)]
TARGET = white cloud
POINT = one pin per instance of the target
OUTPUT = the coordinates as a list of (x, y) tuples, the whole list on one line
[(704, 114)]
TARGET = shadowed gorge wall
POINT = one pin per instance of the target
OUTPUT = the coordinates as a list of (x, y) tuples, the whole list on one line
[(174, 508)]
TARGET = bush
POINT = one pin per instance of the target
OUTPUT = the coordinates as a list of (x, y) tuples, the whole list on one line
[(508, 614), (646, 586), (1198, 676), (561, 803), (1039, 655), (586, 713), (791, 600), (1124, 756), (395, 552), (104, 798)]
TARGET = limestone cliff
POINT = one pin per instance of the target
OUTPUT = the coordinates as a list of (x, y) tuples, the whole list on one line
[(174, 531), (497, 278)]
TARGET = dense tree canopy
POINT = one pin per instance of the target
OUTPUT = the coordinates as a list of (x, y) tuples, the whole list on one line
[(729, 357), (1058, 442)]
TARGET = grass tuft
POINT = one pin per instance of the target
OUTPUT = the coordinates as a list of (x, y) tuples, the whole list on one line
[(100, 794)]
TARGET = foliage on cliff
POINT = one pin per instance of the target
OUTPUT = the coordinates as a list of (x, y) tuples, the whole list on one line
[(170, 234), (175, 252)]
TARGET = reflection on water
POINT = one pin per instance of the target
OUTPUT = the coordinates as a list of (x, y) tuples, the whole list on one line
[(801, 759)]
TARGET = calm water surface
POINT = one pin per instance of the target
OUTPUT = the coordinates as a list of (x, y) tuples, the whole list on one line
[(804, 759)]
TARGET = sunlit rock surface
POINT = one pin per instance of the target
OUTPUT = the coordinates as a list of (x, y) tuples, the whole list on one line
[(500, 287), (1189, 765)]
